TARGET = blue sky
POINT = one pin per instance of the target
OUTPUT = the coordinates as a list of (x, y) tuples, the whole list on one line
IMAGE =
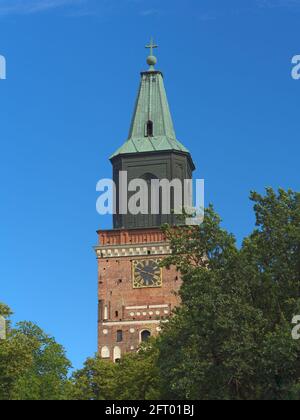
[(72, 77)]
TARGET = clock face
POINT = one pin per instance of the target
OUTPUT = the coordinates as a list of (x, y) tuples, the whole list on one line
[(146, 273)]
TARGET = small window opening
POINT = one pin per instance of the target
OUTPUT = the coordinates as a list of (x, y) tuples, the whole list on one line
[(119, 336), (149, 129), (116, 314), (145, 336)]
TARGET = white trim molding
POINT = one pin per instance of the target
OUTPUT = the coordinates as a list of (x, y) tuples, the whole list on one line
[(115, 251), (112, 324)]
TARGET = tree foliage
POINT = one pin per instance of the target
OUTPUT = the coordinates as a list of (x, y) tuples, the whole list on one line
[(231, 338), (32, 365), (135, 377)]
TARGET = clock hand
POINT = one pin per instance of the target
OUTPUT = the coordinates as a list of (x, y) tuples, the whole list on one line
[(145, 272)]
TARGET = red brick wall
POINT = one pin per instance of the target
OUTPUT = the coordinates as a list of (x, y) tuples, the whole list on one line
[(116, 292), (134, 236)]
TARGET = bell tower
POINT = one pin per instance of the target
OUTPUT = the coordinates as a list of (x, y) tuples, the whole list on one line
[(152, 150), (135, 294)]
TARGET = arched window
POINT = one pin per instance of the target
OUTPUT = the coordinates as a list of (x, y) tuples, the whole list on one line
[(117, 354), (105, 353), (145, 335), (119, 336), (149, 129)]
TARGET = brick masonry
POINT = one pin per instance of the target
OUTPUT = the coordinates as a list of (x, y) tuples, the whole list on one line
[(124, 312)]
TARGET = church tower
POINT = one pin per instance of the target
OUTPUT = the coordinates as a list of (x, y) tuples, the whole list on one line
[(135, 294)]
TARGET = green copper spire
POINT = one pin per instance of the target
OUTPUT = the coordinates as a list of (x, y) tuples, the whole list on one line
[(152, 128)]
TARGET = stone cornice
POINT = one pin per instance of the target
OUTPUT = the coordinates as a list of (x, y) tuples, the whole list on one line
[(134, 250)]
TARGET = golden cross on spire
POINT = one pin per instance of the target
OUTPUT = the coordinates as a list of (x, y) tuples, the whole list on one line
[(151, 46)]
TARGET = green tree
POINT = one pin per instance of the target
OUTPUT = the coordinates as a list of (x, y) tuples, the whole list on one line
[(95, 382), (231, 338), (271, 255), (135, 377), (32, 365), (5, 311), (15, 358), (138, 377)]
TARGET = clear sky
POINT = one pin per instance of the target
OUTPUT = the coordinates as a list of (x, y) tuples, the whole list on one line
[(72, 78)]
